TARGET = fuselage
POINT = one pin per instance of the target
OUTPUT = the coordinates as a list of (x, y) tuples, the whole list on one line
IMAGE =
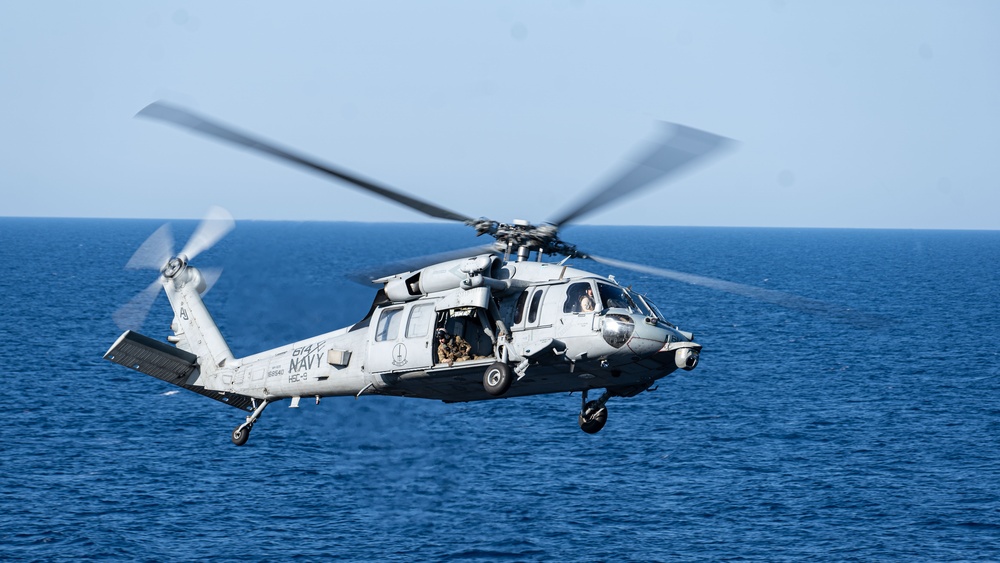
[(528, 314)]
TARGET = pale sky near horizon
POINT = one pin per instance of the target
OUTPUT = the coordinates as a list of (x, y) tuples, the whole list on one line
[(850, 114)]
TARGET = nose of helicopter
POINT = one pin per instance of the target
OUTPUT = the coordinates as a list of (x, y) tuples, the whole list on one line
[(664, 344)]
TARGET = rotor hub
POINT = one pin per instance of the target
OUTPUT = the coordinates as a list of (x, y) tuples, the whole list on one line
[(174, 266), (525, 237)]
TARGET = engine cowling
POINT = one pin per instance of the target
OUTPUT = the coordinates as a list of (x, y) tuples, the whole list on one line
[(465, 273)]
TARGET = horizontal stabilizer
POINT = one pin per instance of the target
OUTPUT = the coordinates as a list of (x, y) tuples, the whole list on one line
[(168, 363)]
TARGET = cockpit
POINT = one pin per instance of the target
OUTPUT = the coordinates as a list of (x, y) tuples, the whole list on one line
[(581, 298), (615, 297)]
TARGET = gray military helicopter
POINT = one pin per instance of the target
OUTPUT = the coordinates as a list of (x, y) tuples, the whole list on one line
[(526, 325)]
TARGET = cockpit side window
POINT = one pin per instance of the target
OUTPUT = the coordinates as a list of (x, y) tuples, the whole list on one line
[(579, 298), (615, 297)]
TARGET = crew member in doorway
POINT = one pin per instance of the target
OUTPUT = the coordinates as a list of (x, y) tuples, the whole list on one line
[(452, 349)]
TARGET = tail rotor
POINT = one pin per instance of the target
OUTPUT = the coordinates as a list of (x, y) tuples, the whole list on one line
[(157, 253)]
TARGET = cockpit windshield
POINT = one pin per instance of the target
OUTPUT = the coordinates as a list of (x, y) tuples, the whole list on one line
[(644, 307), (652, 307), (615, 297)]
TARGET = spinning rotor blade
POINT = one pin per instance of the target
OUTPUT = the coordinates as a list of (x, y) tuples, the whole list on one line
[(184, 118), (132, 314), (677, 148), (154, 252), (216, 224), (158, 249), (210, 275), (780, 298)]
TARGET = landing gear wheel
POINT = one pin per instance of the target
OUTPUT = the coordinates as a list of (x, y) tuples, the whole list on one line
[(593, 417), (241, 434), (497, 379)]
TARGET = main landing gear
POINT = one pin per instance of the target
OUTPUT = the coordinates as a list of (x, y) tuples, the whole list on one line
[(497, 379), (241, 433), (593, 414)]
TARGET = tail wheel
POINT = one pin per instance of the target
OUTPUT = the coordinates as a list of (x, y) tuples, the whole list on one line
[(593, 417), (497, 379)]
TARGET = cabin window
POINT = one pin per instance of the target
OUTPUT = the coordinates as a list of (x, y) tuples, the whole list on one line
[(519, 308), (388, 325), (578, 300), (533, 309), (615, 297), (420, 320)]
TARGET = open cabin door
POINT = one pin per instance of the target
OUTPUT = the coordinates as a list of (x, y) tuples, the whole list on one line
[(401, 338)]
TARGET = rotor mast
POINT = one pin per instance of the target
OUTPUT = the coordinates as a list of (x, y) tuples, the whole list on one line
[(524, 238)]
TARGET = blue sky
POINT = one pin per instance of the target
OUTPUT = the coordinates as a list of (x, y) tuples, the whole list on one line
[(847, 114)]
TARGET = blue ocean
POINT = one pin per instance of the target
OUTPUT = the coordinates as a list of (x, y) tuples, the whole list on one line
[(798, 437)]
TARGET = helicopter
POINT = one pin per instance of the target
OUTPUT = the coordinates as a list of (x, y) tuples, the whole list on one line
[(507, 319)]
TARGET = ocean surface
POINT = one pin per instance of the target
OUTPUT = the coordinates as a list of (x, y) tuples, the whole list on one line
[(798, 437)]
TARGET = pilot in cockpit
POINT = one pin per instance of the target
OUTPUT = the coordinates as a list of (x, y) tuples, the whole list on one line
[(580, 298), (586, 304)]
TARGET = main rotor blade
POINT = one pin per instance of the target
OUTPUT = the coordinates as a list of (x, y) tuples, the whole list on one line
[(780, 298), (677, 147), (132, 314), (216, 224), (184, 118), (154, 252)]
